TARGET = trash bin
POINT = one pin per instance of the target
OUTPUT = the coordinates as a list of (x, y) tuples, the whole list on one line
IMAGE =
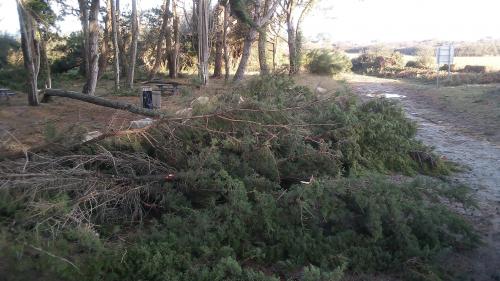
[(147, 97)]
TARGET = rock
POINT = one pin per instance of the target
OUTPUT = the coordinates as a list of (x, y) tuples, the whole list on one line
[(91, 135), (138, 124)]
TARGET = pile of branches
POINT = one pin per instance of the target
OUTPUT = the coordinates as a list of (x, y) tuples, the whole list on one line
[(274, 129), (259, 172)]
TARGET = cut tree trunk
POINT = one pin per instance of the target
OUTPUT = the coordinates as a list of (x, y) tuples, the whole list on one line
[(100, 101), (133, 47), (93, 51), (28, 47)]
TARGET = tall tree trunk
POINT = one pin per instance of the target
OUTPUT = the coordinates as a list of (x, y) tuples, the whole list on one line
[(224, 42), (26, 24), (114, 30), (159, 42), (133, 47), (84, 21), (93, 50), (169, 48), (247, 46), (219, 44), (260, 19), (103, 58), (264, 67), (174, 71), (292, 48), (203, 48), (44, 60), (121, 44)]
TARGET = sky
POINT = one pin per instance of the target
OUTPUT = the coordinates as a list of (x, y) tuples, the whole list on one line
[(362, 21)]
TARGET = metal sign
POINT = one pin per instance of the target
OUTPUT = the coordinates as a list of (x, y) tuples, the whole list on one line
[(445, 54)]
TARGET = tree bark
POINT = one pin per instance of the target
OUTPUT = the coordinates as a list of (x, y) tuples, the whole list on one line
[(26, 24), (174, 71), (114, 30), (247, 46), (224, 41), (219, 44), (121, 44), (93, 50), (106, 38), (133, 47), (203, 48), (262, 45), (260, 19), (84, 20), (264, 67), (169, 48), (292, 49), (159, 42), (44, 60)]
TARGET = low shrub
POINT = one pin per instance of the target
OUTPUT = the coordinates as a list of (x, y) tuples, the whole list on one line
[(453, 68), (412, 64), (475, 69), (370, 63), (13, 78), (325, 62)]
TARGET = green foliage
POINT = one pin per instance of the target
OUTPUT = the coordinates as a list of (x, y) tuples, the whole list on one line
[(243, 204), (13, 78), (373, 63), (327, 62), (239, 9), (7, 44), (322, 229), (412, 63), (67, 53)]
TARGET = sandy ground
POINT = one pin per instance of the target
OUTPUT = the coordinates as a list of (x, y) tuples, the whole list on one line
[(480, 157)]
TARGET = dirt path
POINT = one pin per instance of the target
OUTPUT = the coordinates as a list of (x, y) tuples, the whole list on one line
[(481, 158)]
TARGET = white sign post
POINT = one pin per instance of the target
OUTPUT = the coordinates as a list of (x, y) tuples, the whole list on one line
[(444, 56)]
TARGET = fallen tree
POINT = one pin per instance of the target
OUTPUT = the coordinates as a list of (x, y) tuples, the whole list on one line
[(47, 93)]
